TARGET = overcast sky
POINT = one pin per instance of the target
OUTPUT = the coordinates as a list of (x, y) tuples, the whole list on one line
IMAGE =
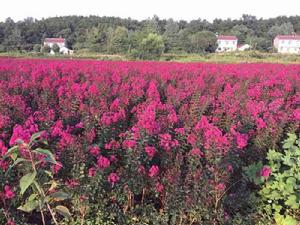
[(143, 9)]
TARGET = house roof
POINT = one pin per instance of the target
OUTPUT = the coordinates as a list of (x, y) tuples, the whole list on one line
[(288, 37), (221, 37), (55, 40)]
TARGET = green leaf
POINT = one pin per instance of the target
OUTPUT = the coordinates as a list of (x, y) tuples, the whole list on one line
[(273, 155), (35, 136), (26, 181), (49, 156), (292, 202), (288, 220), (62, 210), (38, 188), (290, 141), (252, 171), (32, 197), (29, 206), (12, 151), (60, 196), (19, 160), (291, 180), (276, 207)]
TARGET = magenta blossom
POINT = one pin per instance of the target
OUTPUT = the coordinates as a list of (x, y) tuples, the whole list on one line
[(128, 144), (220, 187), (72, 183), (159, 187), (242, 140), (92, 172), (8, 193), (103, 162), (56, 167), (153, 171), (10, 222), (180, 131), (94, 150), (150, 151), (196, 152), (266, 172), (113, 178)]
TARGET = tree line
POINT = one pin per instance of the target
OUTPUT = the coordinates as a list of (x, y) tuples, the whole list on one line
[(144, 39)]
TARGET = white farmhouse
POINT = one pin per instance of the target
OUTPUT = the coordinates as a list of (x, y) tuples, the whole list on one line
[(61, 42), (287, 44), (227, 43)]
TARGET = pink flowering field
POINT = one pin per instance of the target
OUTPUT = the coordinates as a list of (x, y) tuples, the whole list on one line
[(140, 140)]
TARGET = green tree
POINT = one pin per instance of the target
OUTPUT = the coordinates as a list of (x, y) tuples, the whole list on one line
[(151, 47), (283, 29), (203, 41), (171, 36), (55, 48), (2, 48), (118, 41), (96, 39), (46, 49), (37, 48), (151, 25), (184, 40), (241, 31)]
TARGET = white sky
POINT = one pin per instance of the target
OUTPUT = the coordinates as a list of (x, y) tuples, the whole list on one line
[(142, 9)]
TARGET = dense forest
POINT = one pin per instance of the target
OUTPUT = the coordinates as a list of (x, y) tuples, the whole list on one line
[(112, 35)]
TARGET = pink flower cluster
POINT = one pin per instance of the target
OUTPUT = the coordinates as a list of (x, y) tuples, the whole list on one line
[(7, 193)]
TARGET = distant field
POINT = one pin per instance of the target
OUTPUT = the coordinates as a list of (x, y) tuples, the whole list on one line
[(236, 57)]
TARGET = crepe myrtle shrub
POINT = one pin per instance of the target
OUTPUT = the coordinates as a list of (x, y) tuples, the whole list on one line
[(34, 184), (278, 180)]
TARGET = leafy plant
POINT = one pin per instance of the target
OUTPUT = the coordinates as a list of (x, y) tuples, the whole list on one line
[(38, 187), (280, 179)]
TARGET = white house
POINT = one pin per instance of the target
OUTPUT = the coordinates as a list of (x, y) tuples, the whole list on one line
[(227, 43), (61, 42), (287, 44), (66, 51)]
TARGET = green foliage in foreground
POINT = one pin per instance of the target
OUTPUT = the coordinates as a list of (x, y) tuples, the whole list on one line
[(280, 182)]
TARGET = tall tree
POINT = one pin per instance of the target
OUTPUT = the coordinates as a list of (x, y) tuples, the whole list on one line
[(118, 41), (283, 29), (151, 47), (171, 36), (204, 41)]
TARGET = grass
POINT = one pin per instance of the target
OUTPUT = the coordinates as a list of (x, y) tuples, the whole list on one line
[(233, 57)]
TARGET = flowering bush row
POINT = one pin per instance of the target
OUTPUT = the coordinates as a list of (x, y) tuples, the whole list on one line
[(145, 142)]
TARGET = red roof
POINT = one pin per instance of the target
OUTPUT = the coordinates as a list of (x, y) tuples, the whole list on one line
[(227, 37), (288, 37), (55, 40)]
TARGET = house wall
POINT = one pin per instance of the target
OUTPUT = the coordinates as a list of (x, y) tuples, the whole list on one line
[(50, 44), (287, 46), (227, 45)]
